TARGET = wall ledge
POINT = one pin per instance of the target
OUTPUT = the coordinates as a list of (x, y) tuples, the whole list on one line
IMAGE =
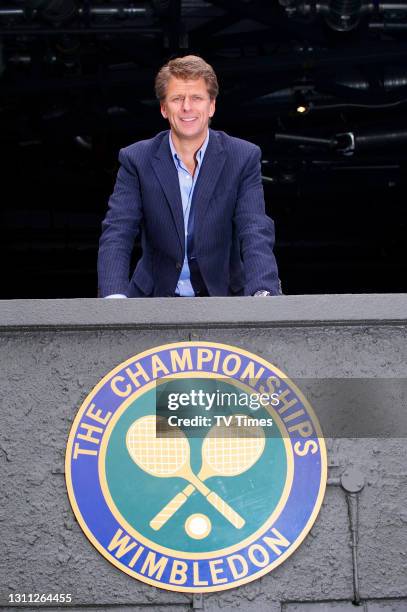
[(281, 311)]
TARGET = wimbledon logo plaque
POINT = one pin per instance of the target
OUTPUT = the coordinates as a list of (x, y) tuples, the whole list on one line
[(196, 467)]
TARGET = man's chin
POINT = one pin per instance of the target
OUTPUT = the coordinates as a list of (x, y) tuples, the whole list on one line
[(189, 134)]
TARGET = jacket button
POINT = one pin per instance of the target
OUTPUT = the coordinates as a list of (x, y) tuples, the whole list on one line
[(178, 266)]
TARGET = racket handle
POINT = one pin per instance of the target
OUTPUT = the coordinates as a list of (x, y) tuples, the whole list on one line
[(228, 512), (166, 513)]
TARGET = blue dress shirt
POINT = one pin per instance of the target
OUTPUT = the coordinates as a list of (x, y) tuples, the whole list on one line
[(187, 184)]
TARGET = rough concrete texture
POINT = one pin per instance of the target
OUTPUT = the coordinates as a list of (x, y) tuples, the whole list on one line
[(332, 606), (46, 374), (159, 607), (45, 378), (340, 606), (170, 312), (387, 606)]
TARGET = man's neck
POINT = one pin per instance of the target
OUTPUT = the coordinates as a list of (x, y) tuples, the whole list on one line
[(187, 149)]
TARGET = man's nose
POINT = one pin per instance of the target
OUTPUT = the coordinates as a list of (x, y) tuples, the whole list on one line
[(186, 105)]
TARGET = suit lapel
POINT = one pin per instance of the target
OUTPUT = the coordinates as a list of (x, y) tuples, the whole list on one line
[(209, 174), (167, 174)]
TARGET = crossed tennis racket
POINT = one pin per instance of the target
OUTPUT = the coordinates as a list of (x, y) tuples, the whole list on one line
[(226, 451)]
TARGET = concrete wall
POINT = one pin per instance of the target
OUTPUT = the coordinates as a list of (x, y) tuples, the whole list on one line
[(52, 354)]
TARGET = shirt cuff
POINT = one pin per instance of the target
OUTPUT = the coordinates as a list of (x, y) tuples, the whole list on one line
[(115, 295)]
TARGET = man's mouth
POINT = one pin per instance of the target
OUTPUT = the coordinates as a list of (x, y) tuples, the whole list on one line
[(189, 119)]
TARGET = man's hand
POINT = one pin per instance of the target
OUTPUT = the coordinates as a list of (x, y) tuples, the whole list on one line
[(262, 293)]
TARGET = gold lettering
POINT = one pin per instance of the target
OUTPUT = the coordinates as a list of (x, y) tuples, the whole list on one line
[(179, 572), (251, 375), (293, 416), (134, 374), (183, 362), (136, 556), (309, 445), (215, 364), (232, 560), (285, 404), (235, 368), (157, 366), (216, 570), (122, 543), (272, 542), (203, 356), (272, 384), (115, 388), (96, 416), (304, 428), (197, 580), (154, 567), (90, 430), (263, 552), (82, 451)]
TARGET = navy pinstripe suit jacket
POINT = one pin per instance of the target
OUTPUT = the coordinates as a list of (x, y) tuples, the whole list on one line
[(232, 239)]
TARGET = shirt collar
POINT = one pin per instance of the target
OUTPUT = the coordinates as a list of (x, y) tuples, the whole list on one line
[(199, 156)]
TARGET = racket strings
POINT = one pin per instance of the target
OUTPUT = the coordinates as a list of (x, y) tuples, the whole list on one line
[(161, 456), (231, 452)]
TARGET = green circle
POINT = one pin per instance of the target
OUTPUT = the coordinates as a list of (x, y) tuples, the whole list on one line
[(139, 496)]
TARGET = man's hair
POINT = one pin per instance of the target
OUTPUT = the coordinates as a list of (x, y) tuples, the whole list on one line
[(189, 67)]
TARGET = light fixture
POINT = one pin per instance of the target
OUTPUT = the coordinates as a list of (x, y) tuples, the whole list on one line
[(302, 106), (302, 109)]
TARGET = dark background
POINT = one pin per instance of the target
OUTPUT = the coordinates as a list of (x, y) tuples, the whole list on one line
[(76, 84)]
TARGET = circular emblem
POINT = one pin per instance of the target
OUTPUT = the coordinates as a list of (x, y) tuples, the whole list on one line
[(196, 466)]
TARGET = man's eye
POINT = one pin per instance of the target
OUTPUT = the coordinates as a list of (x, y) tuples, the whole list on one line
[(197, 98)]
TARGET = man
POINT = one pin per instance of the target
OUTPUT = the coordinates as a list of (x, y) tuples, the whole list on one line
[(196, 196)]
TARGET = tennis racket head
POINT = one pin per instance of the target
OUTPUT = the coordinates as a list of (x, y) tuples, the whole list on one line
[(232, 450), (162, 455)]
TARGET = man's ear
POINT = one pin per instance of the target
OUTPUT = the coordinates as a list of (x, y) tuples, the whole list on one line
[(163, 110)]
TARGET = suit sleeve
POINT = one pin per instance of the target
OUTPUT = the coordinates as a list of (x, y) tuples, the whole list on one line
[(255, 230), (119, 230)]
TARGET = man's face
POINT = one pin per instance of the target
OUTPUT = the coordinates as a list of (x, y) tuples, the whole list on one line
[(188, 108)]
